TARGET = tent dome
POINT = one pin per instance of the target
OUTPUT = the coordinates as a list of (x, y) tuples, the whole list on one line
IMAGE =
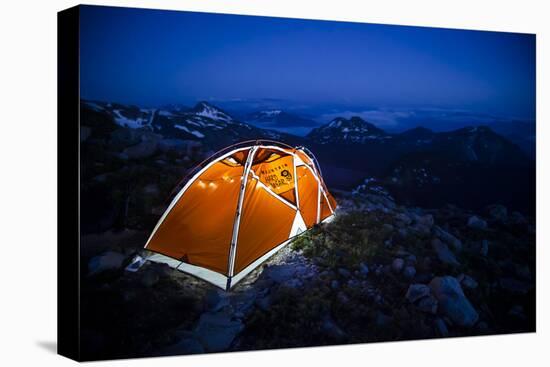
[(238, 208)]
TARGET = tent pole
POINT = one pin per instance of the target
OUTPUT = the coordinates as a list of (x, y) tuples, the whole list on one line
[(236, 223), (296, 183)]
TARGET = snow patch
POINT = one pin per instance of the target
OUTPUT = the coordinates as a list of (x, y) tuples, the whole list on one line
[(126, 122), (193, 132), (212, 113)]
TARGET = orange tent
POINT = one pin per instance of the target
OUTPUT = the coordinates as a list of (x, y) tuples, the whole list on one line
[(240, 207)]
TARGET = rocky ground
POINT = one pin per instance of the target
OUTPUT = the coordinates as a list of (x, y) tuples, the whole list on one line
[(379, 272)]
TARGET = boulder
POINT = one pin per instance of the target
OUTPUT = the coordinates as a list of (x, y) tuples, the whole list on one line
[(443, 253), (416, 292), (85, 132), (428, 305), (279, 273), (122, 138), (331, 329), (293, 283), (216, 331), (174, 145), (382, 319), (141, 150), (344, 272), (107, 261), (484, 249), (467, 281), (364, 269), (409, 272), (517, 218), (397, 265), (476, 223), (215, 300), (448, 238), (452, 301), (497, 212), (264, 303), (403, 219), (426, 220), (441, 327), (517, 311)]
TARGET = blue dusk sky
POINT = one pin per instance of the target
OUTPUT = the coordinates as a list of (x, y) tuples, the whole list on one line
[(321, 68)]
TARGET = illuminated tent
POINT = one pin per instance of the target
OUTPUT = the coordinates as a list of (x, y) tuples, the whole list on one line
[(239, 208)]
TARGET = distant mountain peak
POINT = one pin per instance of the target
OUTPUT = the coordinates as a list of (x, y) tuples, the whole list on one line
[(354, 130), (205, 109)]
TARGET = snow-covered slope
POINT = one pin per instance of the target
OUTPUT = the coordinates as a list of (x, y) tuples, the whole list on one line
[(203, 122), (353, 130)]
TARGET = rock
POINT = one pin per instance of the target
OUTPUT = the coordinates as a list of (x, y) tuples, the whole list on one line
[(141, 150), (264, 303), (517, 311), (441, 327), (514, 286), (382, 319), (109, 260), (443, 253), (428, 305), (387, 228), (517, 218), (476, 223), (452, 301), (424, 220), (397, 265), (467, 281), (403, 218), (215, 300), (85, 132), (409, 272), (280, 273), (416, 292), (122, 138), (410, 259), (402, 233), (184, 346), (448, 238), (497, 212), (149, 279), (243, 302), (344, 272), (335, 284), (423, 277), (364, 269), (484, 249), (483, 327), (216, 331), (331, 329), (293, 283), (342, 298), (179, 146)]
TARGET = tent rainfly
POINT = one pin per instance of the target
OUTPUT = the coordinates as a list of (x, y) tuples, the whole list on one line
[(239, 208)]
